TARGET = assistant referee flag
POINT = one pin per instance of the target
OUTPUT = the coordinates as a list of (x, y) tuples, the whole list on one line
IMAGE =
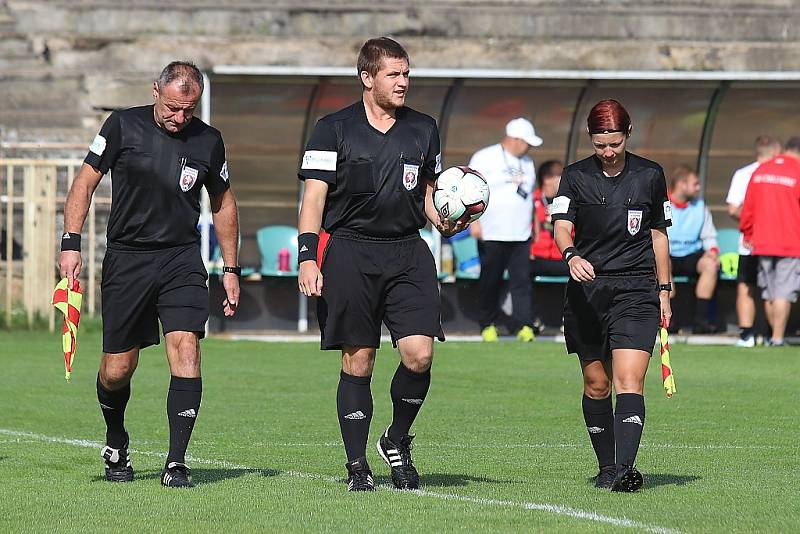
[(666, 366), (68, 301)]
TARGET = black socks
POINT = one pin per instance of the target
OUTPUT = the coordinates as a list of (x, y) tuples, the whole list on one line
[(183, 404), (354, 406), (599, 417), (701, 315), (112, 404), (408, 393), (628, 426)]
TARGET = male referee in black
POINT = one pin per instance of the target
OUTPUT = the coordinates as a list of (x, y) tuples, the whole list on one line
[(369, 171), (160, 156)]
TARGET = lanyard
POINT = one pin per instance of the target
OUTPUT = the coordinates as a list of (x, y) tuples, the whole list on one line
[(514, 173)]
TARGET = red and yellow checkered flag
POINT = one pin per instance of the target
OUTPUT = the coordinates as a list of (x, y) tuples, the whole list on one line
[(68, 301), (666, 366)]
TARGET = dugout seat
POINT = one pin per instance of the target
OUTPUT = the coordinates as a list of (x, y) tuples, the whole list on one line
[(271, 239), (465, 258)]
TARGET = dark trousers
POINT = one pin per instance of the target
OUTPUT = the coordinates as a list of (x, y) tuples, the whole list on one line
[(496, 257)]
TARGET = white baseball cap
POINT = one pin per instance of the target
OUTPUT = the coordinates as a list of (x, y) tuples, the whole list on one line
[(523, 129)]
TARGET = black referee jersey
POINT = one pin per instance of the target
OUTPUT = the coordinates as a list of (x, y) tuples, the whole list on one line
[(613, 216), (376, 180), (156, 177)]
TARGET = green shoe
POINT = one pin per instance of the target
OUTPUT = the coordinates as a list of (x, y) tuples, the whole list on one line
[(525, 334), (489, 333)]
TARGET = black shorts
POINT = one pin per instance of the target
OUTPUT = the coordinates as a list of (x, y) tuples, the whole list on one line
[(141, 287), (686, 265), (368, 280), (611, 312), (747, 272)]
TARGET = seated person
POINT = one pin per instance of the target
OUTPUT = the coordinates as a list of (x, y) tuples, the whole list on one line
[(693, 243), (546, 259)]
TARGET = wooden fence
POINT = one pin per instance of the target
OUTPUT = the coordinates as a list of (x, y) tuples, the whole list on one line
[(32, 194)]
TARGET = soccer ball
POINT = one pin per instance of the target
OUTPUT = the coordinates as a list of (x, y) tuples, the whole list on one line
[(460, 194)]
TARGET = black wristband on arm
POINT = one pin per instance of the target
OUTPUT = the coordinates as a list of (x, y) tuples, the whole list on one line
[(71, 241), (569, 252), (307, 244)]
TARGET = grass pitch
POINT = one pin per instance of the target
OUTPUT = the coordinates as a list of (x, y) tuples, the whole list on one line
[(501, 444)]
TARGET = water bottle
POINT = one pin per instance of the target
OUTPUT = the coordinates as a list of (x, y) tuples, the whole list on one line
[(283, 260), (447, 258)]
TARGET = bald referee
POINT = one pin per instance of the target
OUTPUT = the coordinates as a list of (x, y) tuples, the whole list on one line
[(160, 157), (369, 171)]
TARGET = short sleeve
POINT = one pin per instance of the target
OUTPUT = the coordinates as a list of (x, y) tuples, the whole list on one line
[(218, 180), (433, 159), (321, 154), (661, 216), (564, 207), (105, 147), (738, 186), (735, 193)]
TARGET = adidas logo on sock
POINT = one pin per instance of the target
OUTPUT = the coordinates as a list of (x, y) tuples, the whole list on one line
[(413, 401), (633, 419), (188, 413), (356, 415), (304, 249), (594, 429)]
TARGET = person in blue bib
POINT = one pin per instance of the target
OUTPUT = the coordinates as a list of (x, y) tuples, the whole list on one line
[(693, 244)]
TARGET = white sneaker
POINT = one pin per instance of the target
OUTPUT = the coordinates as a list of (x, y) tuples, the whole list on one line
[(749, 341)]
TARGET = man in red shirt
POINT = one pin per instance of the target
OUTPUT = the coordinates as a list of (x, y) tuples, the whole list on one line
[(770, 225)]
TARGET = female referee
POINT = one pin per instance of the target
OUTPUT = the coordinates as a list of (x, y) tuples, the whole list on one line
[(619, 289)]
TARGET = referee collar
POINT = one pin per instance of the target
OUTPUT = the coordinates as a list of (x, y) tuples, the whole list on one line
[(362, 113), (599, 166)]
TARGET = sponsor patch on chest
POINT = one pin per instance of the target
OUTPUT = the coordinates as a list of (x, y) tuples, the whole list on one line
[(634, 221), (410, 175), (188, 178)]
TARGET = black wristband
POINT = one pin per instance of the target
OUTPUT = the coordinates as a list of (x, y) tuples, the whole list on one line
[(71, 241), (569, 252), (233, 270), (307, 244)]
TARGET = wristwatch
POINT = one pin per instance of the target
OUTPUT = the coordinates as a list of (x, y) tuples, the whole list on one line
[(235, 270), (665, 287)]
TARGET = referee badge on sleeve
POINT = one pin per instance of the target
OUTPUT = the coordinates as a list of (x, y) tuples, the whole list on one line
[(98, 145), (560, 205), (667, 211), (410, 173), (634, 221)]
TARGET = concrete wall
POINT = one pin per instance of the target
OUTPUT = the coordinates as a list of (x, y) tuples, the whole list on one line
[(63, 63)]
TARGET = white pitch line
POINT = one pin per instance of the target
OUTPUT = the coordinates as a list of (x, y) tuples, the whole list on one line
[(334, 444), (549, 508)]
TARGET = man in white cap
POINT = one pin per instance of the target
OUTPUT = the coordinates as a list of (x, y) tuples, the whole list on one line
[(504, 231)]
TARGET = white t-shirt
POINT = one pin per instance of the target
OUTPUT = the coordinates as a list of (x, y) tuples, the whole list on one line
[(511, 181), (737, 192)]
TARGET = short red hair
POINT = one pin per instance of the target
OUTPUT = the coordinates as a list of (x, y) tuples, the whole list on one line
[(608, 116)]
